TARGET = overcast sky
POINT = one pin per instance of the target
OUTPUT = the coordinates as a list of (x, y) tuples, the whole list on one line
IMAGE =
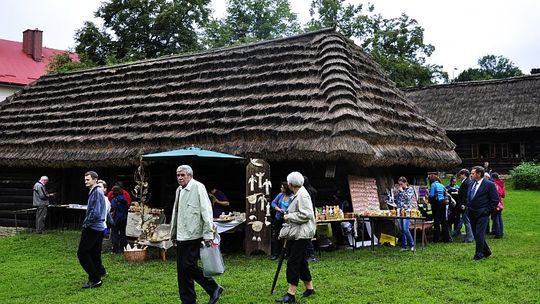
[(462, 31)]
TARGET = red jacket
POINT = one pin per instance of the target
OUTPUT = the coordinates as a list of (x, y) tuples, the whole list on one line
[(501, 191), (124, 193)]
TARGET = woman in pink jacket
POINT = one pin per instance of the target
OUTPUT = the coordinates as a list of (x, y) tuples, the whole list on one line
[(498, 228)]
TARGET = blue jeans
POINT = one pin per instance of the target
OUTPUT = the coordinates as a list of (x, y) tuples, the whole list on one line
[(465, 221), (406, 236), (498, 227)]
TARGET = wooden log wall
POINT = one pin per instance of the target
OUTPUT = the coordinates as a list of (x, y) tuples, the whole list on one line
[(16, 193), (466, 142)]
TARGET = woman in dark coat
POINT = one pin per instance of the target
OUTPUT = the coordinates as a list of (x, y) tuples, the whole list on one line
[(119, 212)]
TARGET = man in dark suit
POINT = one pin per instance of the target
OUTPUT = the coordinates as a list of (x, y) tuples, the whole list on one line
[(482, 201), (462, 197)]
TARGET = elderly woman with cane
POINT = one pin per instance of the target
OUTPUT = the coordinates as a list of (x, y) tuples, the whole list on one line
[(300, 215)]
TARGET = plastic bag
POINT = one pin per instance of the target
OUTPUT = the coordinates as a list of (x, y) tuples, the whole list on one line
[(212, 260)]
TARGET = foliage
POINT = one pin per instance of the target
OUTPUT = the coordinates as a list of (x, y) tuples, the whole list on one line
[(62, 63), (490, 67), (526, 176), (44, 269), (139, 29), (251, 20), (397, 44)]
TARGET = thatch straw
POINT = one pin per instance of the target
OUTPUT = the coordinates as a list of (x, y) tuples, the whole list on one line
[(315, 96)]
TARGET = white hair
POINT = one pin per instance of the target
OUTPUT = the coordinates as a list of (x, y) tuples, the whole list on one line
[(295, 179), (43, 178), (186, 169)]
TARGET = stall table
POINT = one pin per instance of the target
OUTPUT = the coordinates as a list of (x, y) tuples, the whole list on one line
[(353, 220), (22, 211), (416, 222)]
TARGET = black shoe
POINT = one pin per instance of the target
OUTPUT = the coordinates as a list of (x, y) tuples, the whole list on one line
[(274, 257), (308, 293), (311, 259), (287, 298), (487, 254), (477, 257), (91, 284), (215, 295)]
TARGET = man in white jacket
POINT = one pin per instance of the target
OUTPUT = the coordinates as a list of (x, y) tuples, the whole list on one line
[(191, 223)]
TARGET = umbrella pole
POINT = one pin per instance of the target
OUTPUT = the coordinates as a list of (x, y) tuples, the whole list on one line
[(280, 263)]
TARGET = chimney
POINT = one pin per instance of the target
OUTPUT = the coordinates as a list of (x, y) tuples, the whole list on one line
[(32, 43)]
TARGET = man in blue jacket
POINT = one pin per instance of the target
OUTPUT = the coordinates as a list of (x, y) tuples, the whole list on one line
[(482, 201), (89, 252)]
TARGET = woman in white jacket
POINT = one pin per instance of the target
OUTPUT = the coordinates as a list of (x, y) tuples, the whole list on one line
[(300, 214)]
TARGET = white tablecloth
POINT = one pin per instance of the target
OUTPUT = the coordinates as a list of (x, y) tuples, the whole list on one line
[(226, 226)]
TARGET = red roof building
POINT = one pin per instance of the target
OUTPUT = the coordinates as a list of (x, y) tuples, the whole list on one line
[(23, 62)]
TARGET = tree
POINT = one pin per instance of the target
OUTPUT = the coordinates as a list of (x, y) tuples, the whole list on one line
[(63, 62), (491, 67), (139, 29), (252, 20), (397, 44)]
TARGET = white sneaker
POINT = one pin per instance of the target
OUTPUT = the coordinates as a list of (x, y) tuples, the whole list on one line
[(403, 249), (413, 249)]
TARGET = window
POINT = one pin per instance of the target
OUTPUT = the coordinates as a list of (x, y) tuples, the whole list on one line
[(517, 150), (486, 151), (504, 151), (474, 151)]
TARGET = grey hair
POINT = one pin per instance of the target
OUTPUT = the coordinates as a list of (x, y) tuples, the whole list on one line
[(92, 174), (43, 178), (295, 179), (186, 169)]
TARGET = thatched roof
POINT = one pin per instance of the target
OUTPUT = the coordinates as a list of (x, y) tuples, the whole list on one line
[(316, 96), (503, 104)]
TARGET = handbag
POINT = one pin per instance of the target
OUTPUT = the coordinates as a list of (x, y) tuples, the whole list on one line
[(289, 231), (212, 260)]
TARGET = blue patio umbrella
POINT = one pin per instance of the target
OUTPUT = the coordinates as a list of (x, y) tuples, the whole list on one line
[(189, 152)]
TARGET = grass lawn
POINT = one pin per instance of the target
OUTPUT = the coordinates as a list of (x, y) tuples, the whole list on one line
[(44, 269)]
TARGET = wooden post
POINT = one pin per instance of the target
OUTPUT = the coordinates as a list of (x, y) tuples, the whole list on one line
[(258, 218)]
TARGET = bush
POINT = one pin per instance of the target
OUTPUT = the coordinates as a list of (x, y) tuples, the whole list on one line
[(526, 176)]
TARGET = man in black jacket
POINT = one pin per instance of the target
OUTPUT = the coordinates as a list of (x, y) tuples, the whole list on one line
[(461, 201), (482, 201)]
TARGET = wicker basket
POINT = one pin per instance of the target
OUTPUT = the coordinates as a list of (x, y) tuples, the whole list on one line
[(135, 255)]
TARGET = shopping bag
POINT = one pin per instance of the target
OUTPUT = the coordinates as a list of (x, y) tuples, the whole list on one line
[(212, 260)]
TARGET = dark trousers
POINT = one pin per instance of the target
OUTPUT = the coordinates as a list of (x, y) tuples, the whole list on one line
[(89, 254), (479, 221), (498, 227), (440, 224), (41, 214), (187, 255), (297, 265), (277, 244), (118, 237)]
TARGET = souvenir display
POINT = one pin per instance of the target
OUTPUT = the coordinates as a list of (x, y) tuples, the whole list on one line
[(258, 186)]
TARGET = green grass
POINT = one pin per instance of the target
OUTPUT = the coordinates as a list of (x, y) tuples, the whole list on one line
[(44, 269)]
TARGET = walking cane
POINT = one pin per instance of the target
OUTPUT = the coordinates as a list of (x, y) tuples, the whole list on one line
[(280, 263)]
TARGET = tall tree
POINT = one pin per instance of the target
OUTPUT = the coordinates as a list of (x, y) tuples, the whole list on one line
[(490, 67), (138, 29), (252, 20), (397, 44)]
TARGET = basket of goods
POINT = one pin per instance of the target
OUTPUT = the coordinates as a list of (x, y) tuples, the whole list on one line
[(134, 254)]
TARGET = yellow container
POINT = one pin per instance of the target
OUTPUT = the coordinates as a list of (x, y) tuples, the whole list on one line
[(385, 238)]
